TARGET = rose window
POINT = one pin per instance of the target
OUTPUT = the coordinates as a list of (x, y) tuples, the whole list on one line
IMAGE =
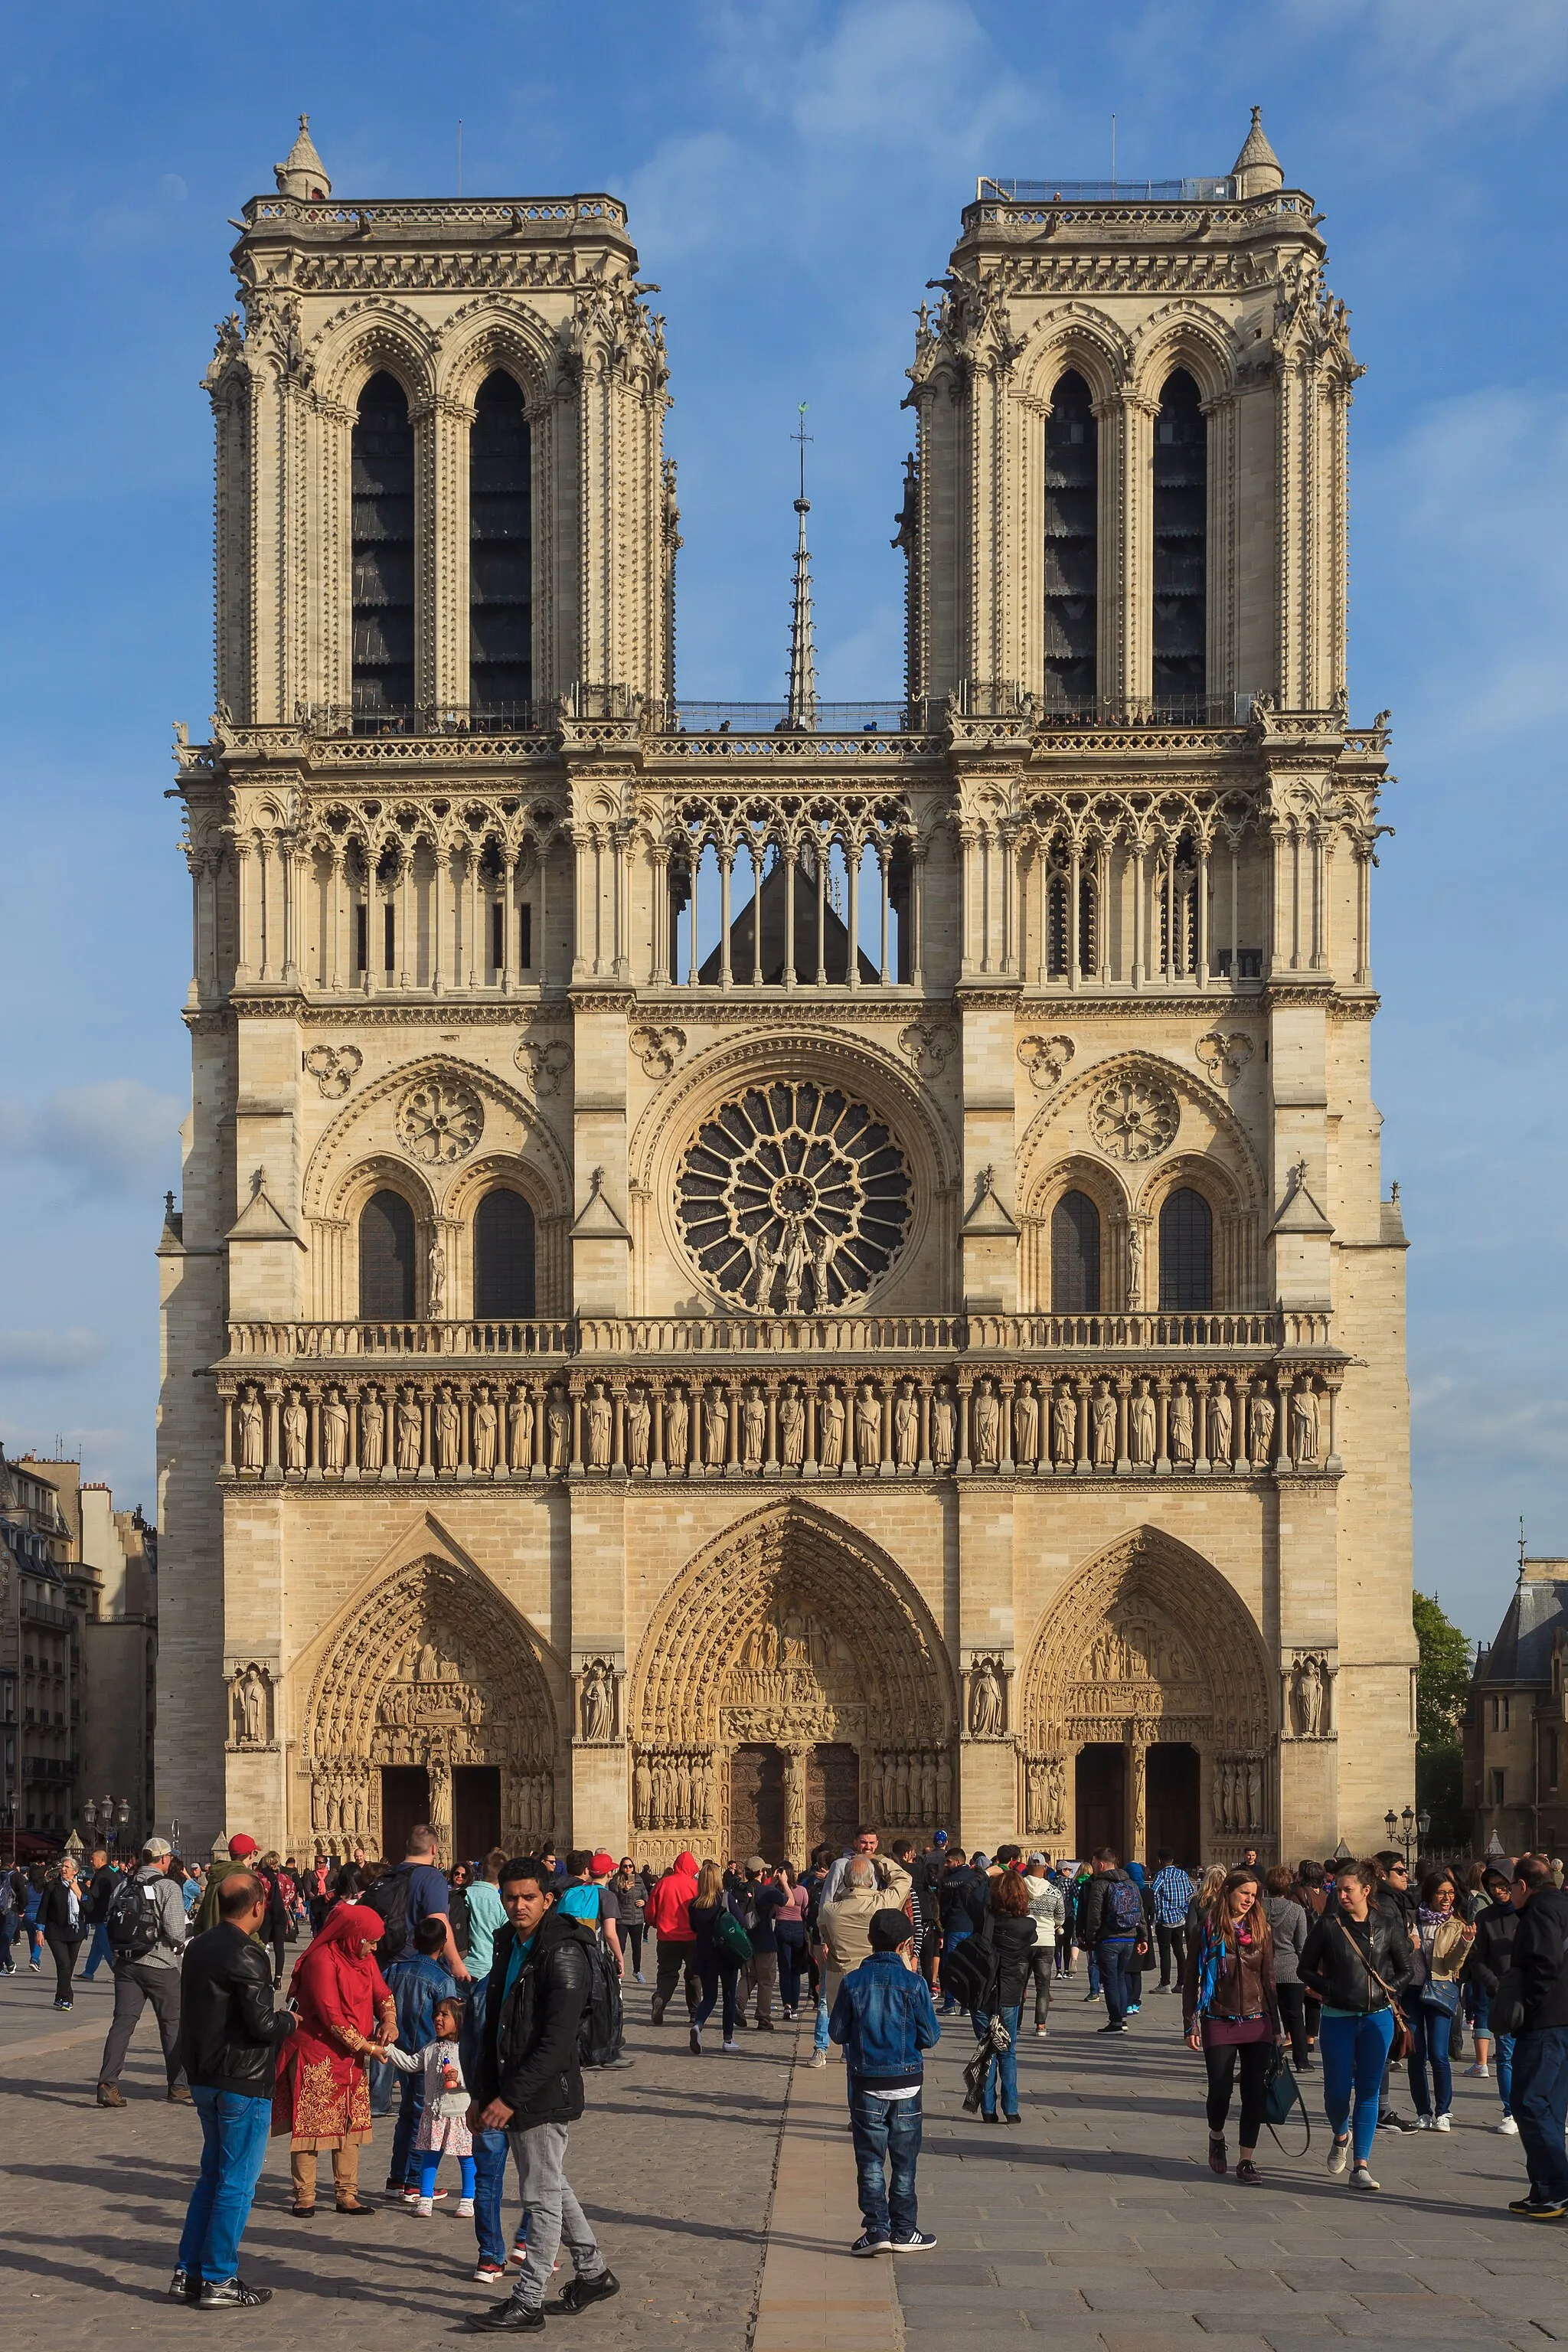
[(1133, 1116), (793, 1198), (440, 1120)]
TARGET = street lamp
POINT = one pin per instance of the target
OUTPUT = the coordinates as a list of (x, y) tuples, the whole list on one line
[(89, 1815), (123, 1813), (1407, 1830)]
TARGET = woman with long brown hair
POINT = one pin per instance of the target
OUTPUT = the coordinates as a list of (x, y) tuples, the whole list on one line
[(713, 1965), (347, 2015), (1231, 2010)]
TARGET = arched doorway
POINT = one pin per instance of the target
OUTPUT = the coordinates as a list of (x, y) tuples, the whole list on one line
[(791, 1682), (1145, 1714), (429, 1702)]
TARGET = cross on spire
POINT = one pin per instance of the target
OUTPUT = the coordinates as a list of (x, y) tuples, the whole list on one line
[(802, 651)]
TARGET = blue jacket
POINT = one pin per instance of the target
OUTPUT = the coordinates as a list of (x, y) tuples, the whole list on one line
[(884, 2016), (416, 1983)]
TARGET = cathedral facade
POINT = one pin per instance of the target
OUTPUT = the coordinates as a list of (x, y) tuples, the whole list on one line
[(742, 1269)]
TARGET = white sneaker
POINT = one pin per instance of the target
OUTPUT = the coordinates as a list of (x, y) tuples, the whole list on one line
[(730, 2048), (1362, 2178), (1507, 2128), (1482, 2074), (1339, 2153), (819, 2057), (424, 2207), (465, 2208), (1442, 2123)]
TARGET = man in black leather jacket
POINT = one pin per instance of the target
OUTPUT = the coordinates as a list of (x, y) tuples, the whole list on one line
[(1541, 2045), (229, 2044), (530, 2086)]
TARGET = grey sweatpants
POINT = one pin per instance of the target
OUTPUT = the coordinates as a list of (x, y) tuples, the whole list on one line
[(551, 2214)]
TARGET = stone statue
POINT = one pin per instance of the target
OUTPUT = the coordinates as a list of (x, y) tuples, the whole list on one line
[(682, 1790), (639, 1423), (1064, 1428), (598, 1701), (449, 1430), (715, 1428), (1134, 1264), (1142, 1423), (986, 1421), (1026, 1425), (1102, 1414), (484, 1433), (765, 1255), (754, 1428), (599, 1417), (906, 1426), (1307, 1698), (928, 1788), (794, 1801), (868, 1427), (409, 1433), (371, 1431), (250, 1710), (943, 1426), (642, 1793), (435, 1280), (1180, 1426), (832, 1430), (1219, 1424), (986, 1700), (943, 1789), (1254, 1793), (252, 1434), (822, 1255), (296, 1433), (792, 1428), (1260, 1432), (795, 1262), (560, 1419), (677, 1429), (519, 1426), (1304, 1423), (334, 1432)]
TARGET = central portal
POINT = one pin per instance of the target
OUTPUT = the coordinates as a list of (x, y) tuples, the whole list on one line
[(1173, 1800), (1102, 1797), (760, 1785)]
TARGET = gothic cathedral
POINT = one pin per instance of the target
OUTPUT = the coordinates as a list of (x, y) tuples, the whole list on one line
[(740, 1270)]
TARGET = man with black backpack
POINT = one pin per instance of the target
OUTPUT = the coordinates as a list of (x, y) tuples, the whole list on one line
[(1114, 1926), (530, 2085), (145, 1925), (416, 1890)]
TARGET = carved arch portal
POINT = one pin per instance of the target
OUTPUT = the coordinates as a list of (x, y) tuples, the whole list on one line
[(431, 1667), (1148, 1647), (794, 1636)]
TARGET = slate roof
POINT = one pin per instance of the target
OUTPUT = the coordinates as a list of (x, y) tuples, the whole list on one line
[(1522, 1650)]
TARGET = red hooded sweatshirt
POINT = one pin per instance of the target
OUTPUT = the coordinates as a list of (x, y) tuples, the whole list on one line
[(666, 1910)]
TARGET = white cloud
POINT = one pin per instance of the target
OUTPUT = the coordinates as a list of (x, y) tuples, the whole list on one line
[(1497, 1421), (1450, 58), (111, 1135), (44, 1354)]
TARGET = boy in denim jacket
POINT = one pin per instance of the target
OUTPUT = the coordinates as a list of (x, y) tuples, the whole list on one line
[(884, 2018)]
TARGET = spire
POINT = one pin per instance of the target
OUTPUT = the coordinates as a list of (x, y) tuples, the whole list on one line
[(802, 652), (1258, 169), (302, 171)]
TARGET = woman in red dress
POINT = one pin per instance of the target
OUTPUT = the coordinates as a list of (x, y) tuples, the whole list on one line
[(347, 2015)]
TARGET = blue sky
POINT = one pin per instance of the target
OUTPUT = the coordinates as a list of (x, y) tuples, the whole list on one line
[(794, 174)]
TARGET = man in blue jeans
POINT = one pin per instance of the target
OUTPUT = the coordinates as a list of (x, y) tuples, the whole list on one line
[(1114, 1929), (229, 2041), (1541, 2047), (884, 2018), (417, 1980)]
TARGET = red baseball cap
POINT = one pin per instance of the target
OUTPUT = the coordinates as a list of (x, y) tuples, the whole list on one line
[(601, 1866), (241, 1847)]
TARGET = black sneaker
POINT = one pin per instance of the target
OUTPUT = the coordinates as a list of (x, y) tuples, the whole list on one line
[(1390, 2121), (579, 2292), (509, 2318), (231, 2294), (867, 2244), (919, 2241), (184, 2288), (1538, 2208), (1112, 2028)]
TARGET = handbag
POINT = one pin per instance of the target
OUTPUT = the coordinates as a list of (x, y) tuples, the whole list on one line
[(1281, 2092), (1400, 2046), (1441, 1993), (969, 1970), (731, 1938)]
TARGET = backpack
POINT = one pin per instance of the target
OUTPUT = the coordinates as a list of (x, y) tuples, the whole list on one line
[(744, 1904), (388, 1899), (969, 1970), (1123, 1913), (130, 1922), (730, 1936), (601, 2028)]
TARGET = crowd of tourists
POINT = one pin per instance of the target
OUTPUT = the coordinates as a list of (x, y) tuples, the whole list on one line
[(477, 1999)]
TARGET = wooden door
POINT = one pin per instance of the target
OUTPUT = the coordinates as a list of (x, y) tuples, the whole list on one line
[(1173, 1802), (832, 1798), (476, 1811), (757, 1803), (1102, 1810), (404, 1800)]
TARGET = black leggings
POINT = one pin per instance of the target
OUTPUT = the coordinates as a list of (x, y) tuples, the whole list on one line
[(631, 1939), (1220, 2059), (1293, 2017), (63, 1950)]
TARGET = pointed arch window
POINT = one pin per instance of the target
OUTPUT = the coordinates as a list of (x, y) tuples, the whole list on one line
[(1187, 1252), (504, 1257), (1180, 544), (1075, 1255), (500, 551), (1072, 567), (386, 1260), (383, 552)]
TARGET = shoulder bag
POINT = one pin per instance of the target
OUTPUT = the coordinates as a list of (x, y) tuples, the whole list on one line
[(1400, 2047), (1282, 2092)]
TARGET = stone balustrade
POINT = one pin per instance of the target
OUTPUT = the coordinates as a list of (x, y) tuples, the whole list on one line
[(978, 1417)]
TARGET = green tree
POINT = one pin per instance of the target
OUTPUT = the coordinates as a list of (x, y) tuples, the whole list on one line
[(1442, 1692)]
